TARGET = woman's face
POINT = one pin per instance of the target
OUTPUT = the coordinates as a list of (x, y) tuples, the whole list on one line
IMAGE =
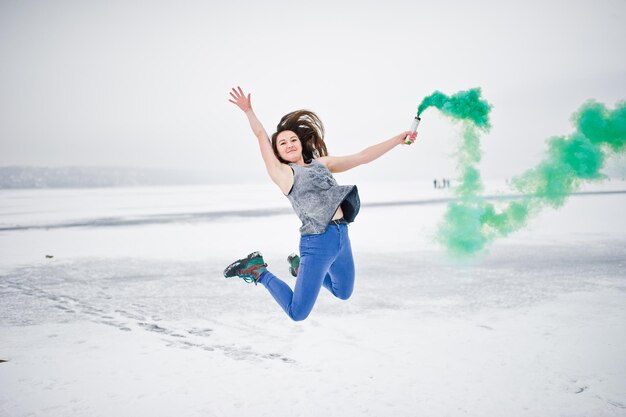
[(289, 146)]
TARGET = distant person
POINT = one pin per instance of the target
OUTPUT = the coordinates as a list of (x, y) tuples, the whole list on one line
[(435, 183), (297, 161)]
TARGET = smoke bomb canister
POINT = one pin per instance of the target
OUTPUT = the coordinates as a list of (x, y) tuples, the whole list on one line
[(416, 122)]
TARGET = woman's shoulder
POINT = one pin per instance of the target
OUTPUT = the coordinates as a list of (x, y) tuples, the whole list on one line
[(322, 160)]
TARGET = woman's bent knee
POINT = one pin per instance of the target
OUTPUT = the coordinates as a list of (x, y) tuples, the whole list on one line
[(298, 315), (344, 295)]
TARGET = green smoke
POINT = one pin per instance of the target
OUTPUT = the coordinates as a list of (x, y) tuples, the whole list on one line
[(471, 222), (464, 105)]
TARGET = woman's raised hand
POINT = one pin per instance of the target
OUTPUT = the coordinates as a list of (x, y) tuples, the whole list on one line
[(240, 99), (406, 138)]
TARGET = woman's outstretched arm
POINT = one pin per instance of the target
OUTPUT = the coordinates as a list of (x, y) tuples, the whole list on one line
[(367, 155), (280, 173)]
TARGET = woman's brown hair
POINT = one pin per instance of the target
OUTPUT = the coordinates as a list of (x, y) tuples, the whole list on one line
[(309, 129)]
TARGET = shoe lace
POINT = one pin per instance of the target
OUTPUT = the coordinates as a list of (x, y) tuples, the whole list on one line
[(249, 279)]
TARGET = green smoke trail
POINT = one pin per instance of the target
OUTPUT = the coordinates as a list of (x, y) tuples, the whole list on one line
[(464, 105), (470, 223)]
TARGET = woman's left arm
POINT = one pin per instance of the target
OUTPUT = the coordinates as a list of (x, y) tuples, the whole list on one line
[(367, 155)]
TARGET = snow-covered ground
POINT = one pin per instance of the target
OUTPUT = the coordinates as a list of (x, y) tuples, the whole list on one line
[(132, 317)]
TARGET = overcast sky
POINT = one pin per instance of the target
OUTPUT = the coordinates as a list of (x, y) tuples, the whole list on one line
[(145, 83)]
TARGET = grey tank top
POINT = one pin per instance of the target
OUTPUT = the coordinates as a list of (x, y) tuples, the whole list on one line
[(315, 197)]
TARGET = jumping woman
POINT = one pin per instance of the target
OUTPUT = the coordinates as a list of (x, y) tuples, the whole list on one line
[(297, 161)]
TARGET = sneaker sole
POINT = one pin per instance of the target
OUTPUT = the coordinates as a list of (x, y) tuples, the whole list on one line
[(231, 270)]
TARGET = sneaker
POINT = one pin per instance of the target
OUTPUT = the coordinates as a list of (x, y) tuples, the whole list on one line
[(249, 268), (294, 264)]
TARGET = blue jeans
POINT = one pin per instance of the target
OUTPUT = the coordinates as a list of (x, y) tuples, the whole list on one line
[(325, 259)]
